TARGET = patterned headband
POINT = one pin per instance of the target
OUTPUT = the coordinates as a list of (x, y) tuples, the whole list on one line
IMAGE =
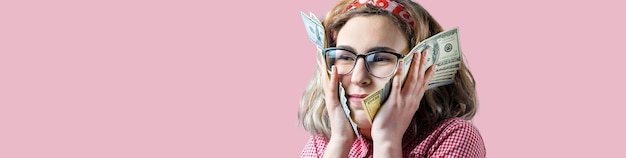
[(389, 5)]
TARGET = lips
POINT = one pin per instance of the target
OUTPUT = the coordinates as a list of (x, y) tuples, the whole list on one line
[(356, 98)]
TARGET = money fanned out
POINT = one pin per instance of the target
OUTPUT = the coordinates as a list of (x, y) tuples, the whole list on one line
[(346, 110), (315, 30), (443, 50)]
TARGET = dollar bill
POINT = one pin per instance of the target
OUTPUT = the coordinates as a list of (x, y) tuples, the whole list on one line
[(442, 79), (344, 105), (437, 84), (444, 75), (441, 72), (314, 29), (443, 50), (435, 78)]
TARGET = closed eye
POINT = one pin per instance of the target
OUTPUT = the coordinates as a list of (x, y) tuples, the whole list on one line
[(345, 57)]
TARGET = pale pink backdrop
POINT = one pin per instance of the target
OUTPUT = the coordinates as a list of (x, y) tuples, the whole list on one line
[(223, 78)]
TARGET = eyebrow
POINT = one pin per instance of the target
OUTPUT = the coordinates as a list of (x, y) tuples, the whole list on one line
[(369, 50)]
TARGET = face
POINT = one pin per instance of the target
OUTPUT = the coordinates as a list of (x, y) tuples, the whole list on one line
[(361, 35)]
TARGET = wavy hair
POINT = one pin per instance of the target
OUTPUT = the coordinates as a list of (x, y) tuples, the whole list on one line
[(440, 103)]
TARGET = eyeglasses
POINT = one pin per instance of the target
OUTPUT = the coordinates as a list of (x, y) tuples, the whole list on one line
[(379, 63)]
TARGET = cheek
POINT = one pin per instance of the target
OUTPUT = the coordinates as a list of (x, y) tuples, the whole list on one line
[(379, 82), (345, 80)]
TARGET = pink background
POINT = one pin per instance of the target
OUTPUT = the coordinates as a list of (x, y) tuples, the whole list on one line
[(223, 78)]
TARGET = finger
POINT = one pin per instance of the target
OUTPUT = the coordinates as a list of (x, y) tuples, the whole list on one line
[(334, 81), (411, 78), (331, 89), (418, 73), (429, 76), (423, 62), (398, 75), (403, 86), (396, 85), (324, 74)]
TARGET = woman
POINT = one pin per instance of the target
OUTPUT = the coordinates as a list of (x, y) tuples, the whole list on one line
[(413, 122)]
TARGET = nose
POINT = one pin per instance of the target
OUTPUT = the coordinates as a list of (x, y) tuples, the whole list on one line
[(360, 76)]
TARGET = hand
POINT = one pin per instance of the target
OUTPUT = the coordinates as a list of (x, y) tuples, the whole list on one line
[(396, 113), (342, 136)]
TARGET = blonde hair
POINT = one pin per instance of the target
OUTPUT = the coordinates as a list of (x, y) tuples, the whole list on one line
[(454, 100)]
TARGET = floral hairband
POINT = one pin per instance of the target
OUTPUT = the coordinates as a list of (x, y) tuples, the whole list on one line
[(389, 5)]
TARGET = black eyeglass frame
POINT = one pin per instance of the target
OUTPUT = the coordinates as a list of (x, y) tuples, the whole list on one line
[(328, 67)]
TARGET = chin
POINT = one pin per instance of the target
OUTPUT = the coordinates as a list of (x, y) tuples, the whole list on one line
[(361, 120)]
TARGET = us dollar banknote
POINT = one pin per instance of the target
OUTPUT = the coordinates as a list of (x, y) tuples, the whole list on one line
[(314, 29)]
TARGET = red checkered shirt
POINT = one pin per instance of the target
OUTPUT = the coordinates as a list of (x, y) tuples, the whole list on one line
[(453, 137)]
